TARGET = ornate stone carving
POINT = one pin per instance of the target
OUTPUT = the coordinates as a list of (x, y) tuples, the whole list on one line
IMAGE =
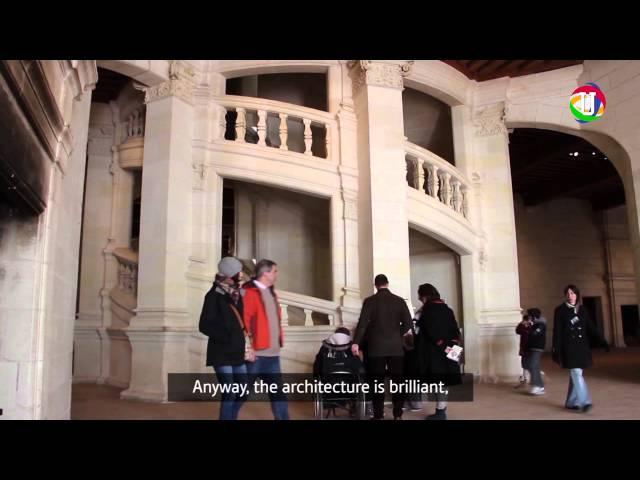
[(483, 259), (433, 181), (350, 206), (490, 120), (181, 84), (465, 202), (368, 72), (199, 175)]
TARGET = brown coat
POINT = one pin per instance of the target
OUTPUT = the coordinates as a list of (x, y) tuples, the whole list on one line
[(384, 319)]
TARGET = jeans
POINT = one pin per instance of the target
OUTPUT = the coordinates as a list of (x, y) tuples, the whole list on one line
[(533, 365), (578, 395), (526, 375), (230, 403), (268, 369)]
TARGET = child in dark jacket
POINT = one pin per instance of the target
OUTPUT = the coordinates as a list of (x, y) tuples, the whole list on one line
[(536, 340), (523, 329)]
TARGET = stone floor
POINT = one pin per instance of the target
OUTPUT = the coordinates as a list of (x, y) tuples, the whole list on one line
[(614, 383)]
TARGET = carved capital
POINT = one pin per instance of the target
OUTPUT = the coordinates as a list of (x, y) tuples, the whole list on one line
[(489, 120), (182, 82), (381, 74), (82, 75)]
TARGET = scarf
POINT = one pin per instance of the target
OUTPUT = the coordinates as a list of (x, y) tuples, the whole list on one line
[(232, 290), (575, 307), (575, 318)]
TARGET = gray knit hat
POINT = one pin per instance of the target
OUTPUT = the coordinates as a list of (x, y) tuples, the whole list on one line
[(229, 266)]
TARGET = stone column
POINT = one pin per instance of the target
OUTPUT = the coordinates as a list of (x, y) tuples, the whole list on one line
[(470, 264), (382, 210), (91, 349), (159, 332), (497, 257), (345, 246)]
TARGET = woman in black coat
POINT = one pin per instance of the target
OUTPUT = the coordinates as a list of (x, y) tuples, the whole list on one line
[(220, 320), (437, 331), (572, 328)]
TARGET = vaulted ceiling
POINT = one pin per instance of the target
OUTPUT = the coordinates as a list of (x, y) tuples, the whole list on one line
[(544, 166), (482, 70)]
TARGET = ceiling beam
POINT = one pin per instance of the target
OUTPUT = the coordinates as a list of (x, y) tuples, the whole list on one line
[(547, 157), (476, 65), (526, 63), (492, 66)]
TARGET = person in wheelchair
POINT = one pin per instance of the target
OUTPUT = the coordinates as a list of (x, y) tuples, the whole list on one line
[(336, 362)]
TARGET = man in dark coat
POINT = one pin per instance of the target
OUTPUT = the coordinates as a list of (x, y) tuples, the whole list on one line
[(384, 320)]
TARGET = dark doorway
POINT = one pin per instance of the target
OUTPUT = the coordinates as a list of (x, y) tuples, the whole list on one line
[(630, 325), (136, 209), (594, 307), (228, 222)]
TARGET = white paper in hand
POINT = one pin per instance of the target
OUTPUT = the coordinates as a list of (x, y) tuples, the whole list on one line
[(454, 353)]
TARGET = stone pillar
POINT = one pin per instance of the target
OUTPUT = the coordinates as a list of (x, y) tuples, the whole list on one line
[(39, 254), (159, 332), (206, 214), (91, 349), (382, 210), (497, 257), (206, 185), (345, 246), (470, 265), (336, 86)]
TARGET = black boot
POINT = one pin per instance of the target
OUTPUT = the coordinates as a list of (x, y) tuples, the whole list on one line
[(441, 414)]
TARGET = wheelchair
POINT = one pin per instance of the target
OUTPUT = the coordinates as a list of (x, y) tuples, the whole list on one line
[(327, 403)]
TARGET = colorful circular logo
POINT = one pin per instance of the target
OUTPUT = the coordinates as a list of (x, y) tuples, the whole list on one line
[(587, 103)]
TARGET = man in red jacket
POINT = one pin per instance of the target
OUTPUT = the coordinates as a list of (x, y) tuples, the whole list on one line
[(262, 320)]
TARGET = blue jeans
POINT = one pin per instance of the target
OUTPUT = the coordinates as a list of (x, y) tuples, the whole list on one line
[(268, 369), (532, 361), (230, 403), (578, 395)]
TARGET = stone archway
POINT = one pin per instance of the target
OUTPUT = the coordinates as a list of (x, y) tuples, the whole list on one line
[(546, 206), (619, 157)]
